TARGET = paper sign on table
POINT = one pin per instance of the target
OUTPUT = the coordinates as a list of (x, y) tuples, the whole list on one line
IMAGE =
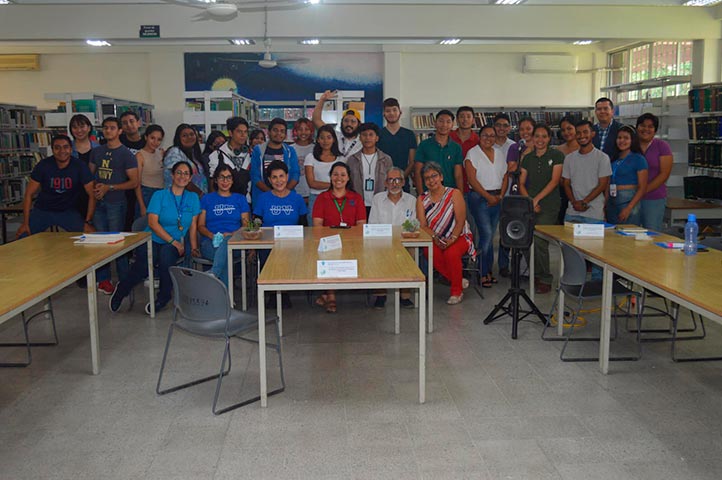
[(327, 244), (590, 230), (288, 231), (337, 268), (378, 230)]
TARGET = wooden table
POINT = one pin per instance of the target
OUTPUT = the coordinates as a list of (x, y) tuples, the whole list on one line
[(266, 242), (677, 209), (695, 282), (35, 267), (8, 210), (382, 263)]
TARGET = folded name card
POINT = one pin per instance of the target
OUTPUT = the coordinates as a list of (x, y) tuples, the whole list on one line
[(336, 268), (378, 230), (288, 231), (327, 244), (590, 230)]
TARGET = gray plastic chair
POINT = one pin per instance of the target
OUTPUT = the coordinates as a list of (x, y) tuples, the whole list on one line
[(48, 309), (202, 307), (575, 285)]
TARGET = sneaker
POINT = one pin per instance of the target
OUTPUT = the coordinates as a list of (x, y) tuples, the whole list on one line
[(156, 282), (541, 288), (380, 303), (504, 272), (116, 300), (158, 307), (455, 299), (106, 287), (464, 283), (406, 303)]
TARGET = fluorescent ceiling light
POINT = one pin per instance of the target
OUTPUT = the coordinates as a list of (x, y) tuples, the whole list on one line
[(242, 41), (583, 42), (98, 43), (313, 2), (450, 41), (509, 2), (310, 41), (4, 2), (701, 3)]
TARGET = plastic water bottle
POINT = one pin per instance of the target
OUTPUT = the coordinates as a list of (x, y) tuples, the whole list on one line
[(690, 235), (217, 239)]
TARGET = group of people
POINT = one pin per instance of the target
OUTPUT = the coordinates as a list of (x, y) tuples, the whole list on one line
[(192, 200)]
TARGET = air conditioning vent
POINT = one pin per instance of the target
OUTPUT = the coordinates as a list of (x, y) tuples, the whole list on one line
[(19, 62)]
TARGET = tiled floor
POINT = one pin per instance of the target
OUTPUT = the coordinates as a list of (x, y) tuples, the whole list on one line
[(496, 408)]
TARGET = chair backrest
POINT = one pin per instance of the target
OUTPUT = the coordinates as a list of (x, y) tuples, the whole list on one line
[(575, 267), (140, 224), (198, 296)]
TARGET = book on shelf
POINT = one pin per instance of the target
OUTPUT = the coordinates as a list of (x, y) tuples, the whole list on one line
[(705, 128), (707, 98), (705, 155)]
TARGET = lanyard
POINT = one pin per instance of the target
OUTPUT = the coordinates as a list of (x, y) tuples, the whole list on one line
[(369, 162), (340, 208), (616, 166), (179, 207)]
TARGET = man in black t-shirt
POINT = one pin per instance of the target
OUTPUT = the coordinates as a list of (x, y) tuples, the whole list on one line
[(58, 181), (130, 123)]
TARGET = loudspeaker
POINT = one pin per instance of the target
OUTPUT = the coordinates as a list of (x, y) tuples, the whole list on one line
[(516, 221)]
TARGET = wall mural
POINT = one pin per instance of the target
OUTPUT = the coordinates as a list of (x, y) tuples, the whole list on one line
[(291, 81)]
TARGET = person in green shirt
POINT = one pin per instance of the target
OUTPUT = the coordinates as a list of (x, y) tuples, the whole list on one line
[(442, 150), (541, 171)]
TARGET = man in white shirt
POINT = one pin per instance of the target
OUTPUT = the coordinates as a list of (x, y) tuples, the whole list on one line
[(349, 142), (236, 154), (393, 206)]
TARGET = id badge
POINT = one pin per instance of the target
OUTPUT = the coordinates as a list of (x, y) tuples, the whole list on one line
[(613, 190), (369, 185), (343, 225)]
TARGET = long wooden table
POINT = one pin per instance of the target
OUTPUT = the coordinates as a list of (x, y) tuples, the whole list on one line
[(382, 263), (33, 268), (267, 242), (694, 282)]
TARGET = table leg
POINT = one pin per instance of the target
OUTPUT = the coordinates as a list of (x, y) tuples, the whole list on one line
[(4, 227), (262, 346), (560, 303), (230, 275), (93, 319), (397, 314), (244, 299), (606, 324), (416, 259), (531, 270), (279, 312), (422, 345), (151, 278), (430, 280)]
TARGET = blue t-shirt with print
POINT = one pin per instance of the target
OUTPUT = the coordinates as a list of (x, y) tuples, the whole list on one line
[(60, 187), (279, 211), (624, 170), (111, 165), (166, 205), (223, 214)]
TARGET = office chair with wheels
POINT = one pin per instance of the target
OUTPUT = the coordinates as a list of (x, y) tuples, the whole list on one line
[(201, 307)]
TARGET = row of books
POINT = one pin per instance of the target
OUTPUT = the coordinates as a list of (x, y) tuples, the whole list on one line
[(21, 165), (20, 118), (427, 120), (13, 140), (290, 114), (108, 109), (706, 99), (705, 155), (705, 128), (12, 191), (702, 186)]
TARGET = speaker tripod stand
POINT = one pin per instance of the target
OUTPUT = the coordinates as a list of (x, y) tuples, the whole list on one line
[(509, 305)]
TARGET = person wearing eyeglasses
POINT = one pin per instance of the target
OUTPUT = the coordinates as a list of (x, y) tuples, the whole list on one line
[(172, 213), (224, 212), (485, 171), (394, 206)]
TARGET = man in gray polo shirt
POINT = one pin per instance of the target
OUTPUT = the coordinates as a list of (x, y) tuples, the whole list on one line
[(586, 175)]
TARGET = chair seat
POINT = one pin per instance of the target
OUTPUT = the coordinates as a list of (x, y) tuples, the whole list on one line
[(240, 322), (593, 289)]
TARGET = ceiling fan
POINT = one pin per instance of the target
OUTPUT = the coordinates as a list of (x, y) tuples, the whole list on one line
[(226, 10)]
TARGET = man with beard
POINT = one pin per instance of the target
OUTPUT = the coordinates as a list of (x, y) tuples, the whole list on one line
[(265, 153), (398, 142), (349, 143)]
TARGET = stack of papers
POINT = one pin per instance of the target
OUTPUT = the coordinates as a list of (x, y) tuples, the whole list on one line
[(100, 238)]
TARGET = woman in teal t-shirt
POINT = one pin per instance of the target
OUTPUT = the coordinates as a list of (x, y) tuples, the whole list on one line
[(628, 184)]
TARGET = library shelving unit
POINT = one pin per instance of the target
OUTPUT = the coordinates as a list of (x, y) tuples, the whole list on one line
[(705, 142), (94, 106), (663, 98), (422, 118), (24, 140), (209, 110), (290, 111)]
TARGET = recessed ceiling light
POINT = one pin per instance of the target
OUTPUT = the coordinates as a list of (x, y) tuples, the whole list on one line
[(310, 41), (450, 41), (242, 41), (98, 43), (583, 42), (509, 2), (701, 3)]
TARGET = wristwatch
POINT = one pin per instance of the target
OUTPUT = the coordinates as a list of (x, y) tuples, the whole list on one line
[(112, 187)]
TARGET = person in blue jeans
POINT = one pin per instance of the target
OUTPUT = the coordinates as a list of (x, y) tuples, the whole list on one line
[(222, 212), (171, 213), (629, 179), (116, 170)]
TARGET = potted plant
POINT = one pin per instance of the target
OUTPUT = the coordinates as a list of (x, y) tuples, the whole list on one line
[(410, 228), (252, 231)]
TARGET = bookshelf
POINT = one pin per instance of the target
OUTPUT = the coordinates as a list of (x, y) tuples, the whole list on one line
[(24, 140), (659, 97), (209, 110), (705, 142), (422, 118), (290, 111), (94, 106)]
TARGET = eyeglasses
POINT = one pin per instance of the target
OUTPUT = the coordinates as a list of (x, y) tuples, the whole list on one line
[(432, 176), (502, 125), (226, 178), (182, 174), (394, 180)]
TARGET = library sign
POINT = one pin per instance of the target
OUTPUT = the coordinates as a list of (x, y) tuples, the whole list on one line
[(149, 31)]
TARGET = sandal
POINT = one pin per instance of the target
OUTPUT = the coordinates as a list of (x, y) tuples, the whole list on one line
[(493, 279), (331, 306), (321, 300), (486, 282)]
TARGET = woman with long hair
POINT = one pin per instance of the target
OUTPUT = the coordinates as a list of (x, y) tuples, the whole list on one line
[(303, 144), (187, 148), (318, 163), (659, 162), (568, 132), (150, 168), (629, 178)]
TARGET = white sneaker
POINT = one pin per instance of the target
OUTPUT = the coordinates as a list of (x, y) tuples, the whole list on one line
[(454, 299), (464, 284)]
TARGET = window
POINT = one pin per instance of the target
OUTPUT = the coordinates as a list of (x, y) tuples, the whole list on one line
[(649, 61)]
